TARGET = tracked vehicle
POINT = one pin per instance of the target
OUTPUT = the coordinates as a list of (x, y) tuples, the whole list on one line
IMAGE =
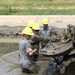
[(66, 48)]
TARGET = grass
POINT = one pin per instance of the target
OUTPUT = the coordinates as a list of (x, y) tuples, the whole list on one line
[(37, 7)]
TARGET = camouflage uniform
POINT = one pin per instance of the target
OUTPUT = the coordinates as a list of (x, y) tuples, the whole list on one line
[(46, 33), (54, 67), (50, 32), (35, 41), (26, 61)]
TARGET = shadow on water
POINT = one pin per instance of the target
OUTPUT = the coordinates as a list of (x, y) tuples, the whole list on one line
[(8, 48)]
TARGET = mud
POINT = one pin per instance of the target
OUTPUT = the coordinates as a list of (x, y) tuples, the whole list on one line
[(9, 52), (13, 32), (9, 60), (7, 31)]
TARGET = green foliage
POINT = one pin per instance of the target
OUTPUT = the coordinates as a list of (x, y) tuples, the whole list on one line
[(8, 10), (37, 7)]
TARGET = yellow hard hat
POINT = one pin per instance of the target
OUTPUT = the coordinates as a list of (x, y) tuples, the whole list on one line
[(36, 26), (27, 31), (31, 23), (45, 21)]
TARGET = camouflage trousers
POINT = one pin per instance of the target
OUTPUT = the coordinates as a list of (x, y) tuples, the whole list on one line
[(32, 69)]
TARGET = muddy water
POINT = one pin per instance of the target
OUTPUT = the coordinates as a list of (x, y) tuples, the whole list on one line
[(9, 60), (7, 48)]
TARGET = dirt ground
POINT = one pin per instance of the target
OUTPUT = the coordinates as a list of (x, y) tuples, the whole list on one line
[(58, 21)]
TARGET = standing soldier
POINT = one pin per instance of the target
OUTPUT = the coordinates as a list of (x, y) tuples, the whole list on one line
[(46, 31), (26, 52), (36, 39)]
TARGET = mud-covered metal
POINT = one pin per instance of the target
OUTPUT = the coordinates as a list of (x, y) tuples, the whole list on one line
[(63, 46), (56, 49), (68, 67)]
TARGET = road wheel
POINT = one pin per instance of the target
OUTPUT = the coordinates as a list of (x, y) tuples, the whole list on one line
[(68, 67)]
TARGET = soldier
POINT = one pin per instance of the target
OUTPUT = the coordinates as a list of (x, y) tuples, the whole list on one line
[(36, 39), (55, 63), (46, 31), (31, 23), (26, 52)]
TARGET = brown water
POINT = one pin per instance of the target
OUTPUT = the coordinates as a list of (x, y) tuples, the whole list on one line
[(8, 47), (9, 60)]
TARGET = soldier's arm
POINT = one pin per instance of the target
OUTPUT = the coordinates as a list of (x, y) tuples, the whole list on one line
[(32, 52)]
